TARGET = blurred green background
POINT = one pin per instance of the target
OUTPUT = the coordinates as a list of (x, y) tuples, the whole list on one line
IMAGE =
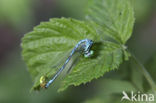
[(18, 17)]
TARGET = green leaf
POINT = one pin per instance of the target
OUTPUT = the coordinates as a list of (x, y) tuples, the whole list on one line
[(116, 18), (48, 43), (109, 57)]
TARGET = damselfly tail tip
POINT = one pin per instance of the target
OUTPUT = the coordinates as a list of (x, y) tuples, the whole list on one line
[(43, 81)]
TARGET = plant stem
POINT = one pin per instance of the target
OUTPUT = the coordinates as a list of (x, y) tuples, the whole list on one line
[(145, 73)]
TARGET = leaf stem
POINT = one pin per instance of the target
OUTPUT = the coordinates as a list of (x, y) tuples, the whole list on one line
[(145, 73)]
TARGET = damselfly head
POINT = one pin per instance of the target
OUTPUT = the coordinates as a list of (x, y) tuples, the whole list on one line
[(43, 81), (87, 48), (86, 55)]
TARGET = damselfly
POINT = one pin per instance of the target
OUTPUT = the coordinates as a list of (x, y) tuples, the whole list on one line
[(83, 47)]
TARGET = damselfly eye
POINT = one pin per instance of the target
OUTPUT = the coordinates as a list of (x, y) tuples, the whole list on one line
[(89, 54)]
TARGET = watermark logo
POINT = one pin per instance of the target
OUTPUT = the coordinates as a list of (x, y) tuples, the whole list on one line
[(138, 97)]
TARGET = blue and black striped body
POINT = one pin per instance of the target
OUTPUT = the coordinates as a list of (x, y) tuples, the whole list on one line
[(83, 46)]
